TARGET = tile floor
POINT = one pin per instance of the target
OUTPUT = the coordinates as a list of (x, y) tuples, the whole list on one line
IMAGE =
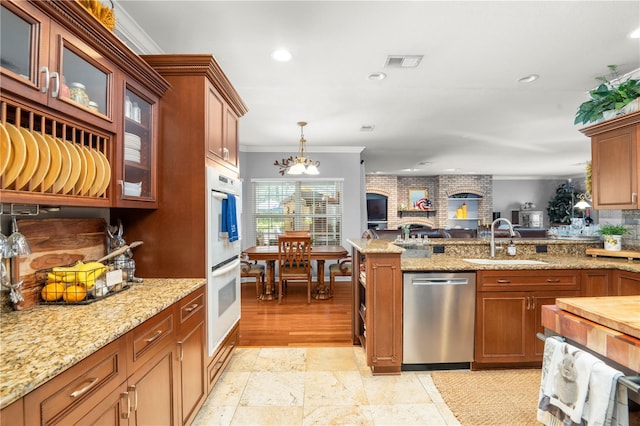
[(319, 386)]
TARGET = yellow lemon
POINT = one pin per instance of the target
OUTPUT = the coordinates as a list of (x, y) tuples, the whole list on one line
[(52, 292), (74, 293)]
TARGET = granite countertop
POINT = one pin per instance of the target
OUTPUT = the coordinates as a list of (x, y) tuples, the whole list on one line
[(40, 343), (561, 254), (448, 263)]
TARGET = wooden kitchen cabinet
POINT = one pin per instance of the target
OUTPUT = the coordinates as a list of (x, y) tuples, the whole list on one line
[(508, 314), (152, 375), (43, 60), (200, 87), (596, 282), (56, 58), (136, 159), (72, 395), (222, 356), (615, 156), (625, 283), (378, 309), (221, 130), (192, 355)]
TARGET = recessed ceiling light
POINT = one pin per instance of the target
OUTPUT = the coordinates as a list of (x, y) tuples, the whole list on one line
[(635, 33), (529, 79), (281, 55), (377, 76)]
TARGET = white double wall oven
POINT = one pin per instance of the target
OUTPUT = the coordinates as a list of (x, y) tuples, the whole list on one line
[(223, 260)]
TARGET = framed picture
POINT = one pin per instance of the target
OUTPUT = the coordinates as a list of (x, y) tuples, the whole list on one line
[(415, 195)]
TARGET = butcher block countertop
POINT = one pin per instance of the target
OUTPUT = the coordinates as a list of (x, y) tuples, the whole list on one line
[(620, 313), (615, 345), (39, 343)]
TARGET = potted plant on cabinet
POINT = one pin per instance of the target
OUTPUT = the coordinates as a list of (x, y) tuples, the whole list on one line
[(612, 235), (609, 97)]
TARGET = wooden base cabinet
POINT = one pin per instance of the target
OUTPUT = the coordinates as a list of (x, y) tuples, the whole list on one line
[(596, 282), (192, 355), (625, 283), (508, 314), (153, 375), (378, 309), (222, 357)]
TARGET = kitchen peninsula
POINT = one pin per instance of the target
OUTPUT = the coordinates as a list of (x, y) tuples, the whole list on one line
[(511, 294)]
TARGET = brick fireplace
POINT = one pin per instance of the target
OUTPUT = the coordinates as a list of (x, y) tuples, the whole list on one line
[(440, 189)]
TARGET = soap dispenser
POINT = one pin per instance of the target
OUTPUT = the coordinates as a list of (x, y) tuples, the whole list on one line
[(511, 249)]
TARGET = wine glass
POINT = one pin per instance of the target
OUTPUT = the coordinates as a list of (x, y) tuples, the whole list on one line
[(4, 244), (18, 244)]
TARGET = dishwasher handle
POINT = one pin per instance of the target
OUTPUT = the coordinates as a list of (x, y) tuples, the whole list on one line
[(439, 281)]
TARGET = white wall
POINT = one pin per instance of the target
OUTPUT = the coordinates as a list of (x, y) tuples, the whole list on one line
[(259, 165)]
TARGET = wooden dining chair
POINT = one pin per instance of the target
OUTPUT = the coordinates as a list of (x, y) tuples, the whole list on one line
[(294, 262), (253, 270), (340, 269)]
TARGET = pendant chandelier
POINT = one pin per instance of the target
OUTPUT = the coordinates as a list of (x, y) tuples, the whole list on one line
[(300, 164)]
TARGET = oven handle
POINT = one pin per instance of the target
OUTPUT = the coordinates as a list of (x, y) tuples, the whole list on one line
[(230, 267), (219, 195)]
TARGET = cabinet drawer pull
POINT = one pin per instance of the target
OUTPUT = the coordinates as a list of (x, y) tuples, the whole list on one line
[(92, 381), (132, 388), (533, 304), (191, 308), (157, 334), (126, 414), (504, 281), (553, 280), (45, 87), (528, 303)]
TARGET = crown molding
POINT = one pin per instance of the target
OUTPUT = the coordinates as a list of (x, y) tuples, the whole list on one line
[(132, 34)]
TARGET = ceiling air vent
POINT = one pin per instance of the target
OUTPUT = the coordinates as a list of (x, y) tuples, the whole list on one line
[(367, 128), (403, 61)]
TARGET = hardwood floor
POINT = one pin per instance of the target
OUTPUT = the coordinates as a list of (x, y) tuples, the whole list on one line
[(294, 322)]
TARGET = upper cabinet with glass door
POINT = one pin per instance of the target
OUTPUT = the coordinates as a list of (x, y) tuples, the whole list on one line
[(136, 162), (44, 62)]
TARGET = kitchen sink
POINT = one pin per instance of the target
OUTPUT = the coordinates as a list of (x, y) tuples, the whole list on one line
[(505, 261)]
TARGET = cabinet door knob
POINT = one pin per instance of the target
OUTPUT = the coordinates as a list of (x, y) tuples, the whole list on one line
[(45, 87)]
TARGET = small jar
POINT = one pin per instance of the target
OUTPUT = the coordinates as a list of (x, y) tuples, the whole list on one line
[(78, 93), (93, 106)]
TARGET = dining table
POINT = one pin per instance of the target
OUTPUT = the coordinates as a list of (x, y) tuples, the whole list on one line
[(269, 255)]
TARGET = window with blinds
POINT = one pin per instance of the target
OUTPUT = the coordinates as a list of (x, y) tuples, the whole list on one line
[(297, 205)]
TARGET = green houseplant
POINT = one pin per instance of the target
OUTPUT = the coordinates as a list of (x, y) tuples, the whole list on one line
[(607, 97), (612, 236), (613, 230)]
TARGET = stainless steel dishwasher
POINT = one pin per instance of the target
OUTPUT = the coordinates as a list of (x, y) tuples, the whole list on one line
[(438, 317)]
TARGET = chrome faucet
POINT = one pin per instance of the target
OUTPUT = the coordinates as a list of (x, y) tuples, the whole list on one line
[(493, 234)]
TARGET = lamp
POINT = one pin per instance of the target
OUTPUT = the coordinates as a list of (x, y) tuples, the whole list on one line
[(582, 203), (300, 164)]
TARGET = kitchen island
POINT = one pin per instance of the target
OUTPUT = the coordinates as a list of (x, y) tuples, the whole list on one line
[(608, 326), (42, 342)]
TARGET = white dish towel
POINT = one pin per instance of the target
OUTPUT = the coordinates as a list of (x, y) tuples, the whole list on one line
[(577, 388)]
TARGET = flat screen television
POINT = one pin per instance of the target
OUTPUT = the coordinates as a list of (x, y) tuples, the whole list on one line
[(376, 209)]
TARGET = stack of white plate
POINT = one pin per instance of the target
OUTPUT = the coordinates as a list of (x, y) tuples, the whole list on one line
[(132, 146), (133, 189)]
